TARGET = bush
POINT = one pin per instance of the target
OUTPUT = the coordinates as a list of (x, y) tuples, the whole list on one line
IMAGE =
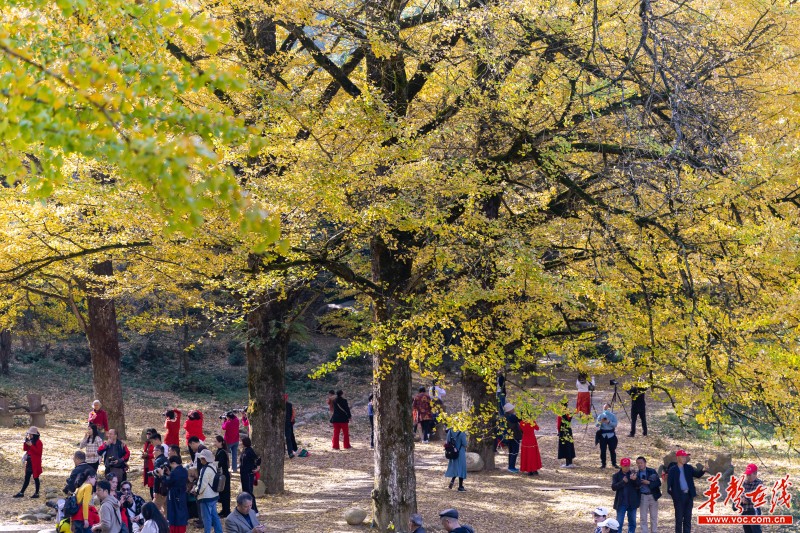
[(297, 353), (236, 359)]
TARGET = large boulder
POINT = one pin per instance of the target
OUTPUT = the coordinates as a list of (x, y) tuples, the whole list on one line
[(355, 516), (474, 462), (719, 464)]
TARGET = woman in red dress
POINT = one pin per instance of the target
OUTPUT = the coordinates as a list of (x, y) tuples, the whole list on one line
[(33, 461), (531, 460)]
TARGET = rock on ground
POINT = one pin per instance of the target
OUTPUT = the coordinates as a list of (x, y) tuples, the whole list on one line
[(355, 516), (474, 462)]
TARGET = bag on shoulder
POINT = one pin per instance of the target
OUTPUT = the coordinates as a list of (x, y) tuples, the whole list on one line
[(450, 449), (71, 507), (219, 481)]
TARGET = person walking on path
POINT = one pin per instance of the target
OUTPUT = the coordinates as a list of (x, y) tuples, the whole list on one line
[(91, 442), (341, 421), (566, 443), (172, 427), (207, 497), (680, 485), (625, 484), (230, 428), (177, 510), (223, 463), (423, 413), (585, 387), (99, 418), (249, 462), (751, 483), (638, 409), (33, 461), (530, 459), (606, 435), (513, 436), (650, 492), (457, 467)]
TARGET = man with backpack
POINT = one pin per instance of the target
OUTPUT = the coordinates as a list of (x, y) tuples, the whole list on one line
[(115, 455), (81, 467), (513, 436)]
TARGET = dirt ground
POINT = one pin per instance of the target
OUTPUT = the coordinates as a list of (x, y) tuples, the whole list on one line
[(321, 487)]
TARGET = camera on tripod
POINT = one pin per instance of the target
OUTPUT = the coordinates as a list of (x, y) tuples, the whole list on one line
[(613, 382)]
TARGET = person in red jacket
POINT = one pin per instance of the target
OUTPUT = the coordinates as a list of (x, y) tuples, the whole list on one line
[(99, 418), (33, 462), (172, 425), (194, 428), (147, 457)]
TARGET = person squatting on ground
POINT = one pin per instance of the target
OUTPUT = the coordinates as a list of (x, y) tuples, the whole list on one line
[(230, 429), (91, 442), (115, 455), (422, 410), (457, 467), (450, 523), (606, 435), (650, 492), (638, 409), (513, 436), (341, 421), (584, 400), (680, 485), (223, 463), (566, 443), (33, 448), (288, 427), (243, 519), (625, 485), (751, 483)]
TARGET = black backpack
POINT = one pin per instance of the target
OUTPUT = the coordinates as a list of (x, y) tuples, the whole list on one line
[(450, 450), (219, 481), (71, 507)]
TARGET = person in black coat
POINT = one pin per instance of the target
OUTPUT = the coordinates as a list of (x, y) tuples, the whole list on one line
[(680, 485), (625, 484), (249, 462), (79, 472), (177, 510), (649, 492), (291, 442), (638, 409), (224, 465)]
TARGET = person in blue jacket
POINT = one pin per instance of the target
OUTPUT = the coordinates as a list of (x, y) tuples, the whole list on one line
[(607, 435), (457, 468), (680, 485)]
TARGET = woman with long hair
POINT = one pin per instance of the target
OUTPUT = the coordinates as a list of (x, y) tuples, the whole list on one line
[(85, 484), (223, 463), (248, 466), (341, 421), (91, 441), (154, 521)]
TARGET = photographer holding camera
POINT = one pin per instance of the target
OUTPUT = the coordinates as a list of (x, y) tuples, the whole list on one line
[(606, 435), (175, 482), (172, 427), (33, 461), (115, 455), (131, 505)]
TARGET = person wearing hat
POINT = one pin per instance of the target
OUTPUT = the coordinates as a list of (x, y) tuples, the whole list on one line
[(33, 461), (207, 497), (450, 522), (609, 525), (751, 483), (625, 484), (680, 485), (415, 524), (599, 515), (513, 436)]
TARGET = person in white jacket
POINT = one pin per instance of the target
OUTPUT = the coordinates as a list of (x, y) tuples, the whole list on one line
[(585, 387), (207, 497)]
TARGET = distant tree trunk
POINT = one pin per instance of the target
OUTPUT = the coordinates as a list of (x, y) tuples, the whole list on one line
[(184, 357), (5, 351), (394, 496), (101, 332), (268, 336), (478, 397)]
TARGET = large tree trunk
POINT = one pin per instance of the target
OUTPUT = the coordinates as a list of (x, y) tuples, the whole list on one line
[(5, 351), (101, 332), (267, 341), (480, 400), (394, 496)]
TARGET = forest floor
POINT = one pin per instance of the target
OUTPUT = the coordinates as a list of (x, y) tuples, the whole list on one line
[(321, 487)]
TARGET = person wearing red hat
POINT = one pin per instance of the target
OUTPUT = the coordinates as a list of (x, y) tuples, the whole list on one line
[(751, 483), (680, 485), (625, 483)]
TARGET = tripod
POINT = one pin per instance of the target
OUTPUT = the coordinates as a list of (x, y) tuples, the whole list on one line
[(616, 397)]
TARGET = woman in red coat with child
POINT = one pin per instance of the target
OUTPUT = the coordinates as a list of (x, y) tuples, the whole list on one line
[(531, 460)]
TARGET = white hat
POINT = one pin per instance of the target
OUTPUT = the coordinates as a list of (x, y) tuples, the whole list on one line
[(609, 523), (207, 455), (507, 408), (601, 511)]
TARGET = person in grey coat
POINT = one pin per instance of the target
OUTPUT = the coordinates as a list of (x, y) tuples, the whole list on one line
[(243, 519), (457, 468)]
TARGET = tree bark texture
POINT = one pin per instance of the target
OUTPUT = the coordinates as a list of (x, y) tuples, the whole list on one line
[(394, 496), (5, 351), (477, 397), (268, 337), (101, 332)]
